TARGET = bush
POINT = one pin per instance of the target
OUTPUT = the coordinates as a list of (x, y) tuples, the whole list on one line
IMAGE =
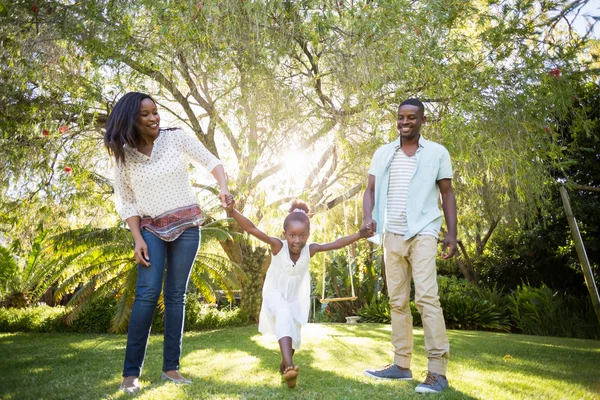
[(35, 319), (540, 311), (472, 313), (377, 311), (97, 316), (465, 307)]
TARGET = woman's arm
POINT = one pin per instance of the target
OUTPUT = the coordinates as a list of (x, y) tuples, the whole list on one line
[(248, 226), (364, 232), (141, 248)]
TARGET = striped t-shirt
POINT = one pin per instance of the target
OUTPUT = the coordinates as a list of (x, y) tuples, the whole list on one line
[(402, 170)]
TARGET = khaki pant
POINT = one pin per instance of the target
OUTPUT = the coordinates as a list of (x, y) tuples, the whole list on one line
[(415, 257)]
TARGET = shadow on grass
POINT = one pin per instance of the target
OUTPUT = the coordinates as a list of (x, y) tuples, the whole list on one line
[(560, 359), (239, 363), (235, 363)]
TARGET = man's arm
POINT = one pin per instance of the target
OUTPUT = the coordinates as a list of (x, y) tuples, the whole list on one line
[(449, 207), (368, 204)]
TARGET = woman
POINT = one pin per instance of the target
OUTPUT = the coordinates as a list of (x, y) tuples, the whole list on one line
[(154, 196)]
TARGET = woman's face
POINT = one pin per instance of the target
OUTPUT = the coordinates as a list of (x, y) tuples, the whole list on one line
[(148, 121)]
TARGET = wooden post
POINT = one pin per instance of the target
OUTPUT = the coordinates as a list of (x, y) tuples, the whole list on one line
[(583, 260)]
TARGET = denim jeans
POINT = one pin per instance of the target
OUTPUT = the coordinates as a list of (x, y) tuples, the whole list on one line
[(177, 257)]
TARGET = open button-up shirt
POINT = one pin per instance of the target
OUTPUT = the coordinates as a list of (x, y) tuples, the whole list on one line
[(422, 209)]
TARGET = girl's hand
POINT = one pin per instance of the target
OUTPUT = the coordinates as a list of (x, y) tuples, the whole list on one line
[(141, 253), (229, 203), (366, 232), (223, 194)]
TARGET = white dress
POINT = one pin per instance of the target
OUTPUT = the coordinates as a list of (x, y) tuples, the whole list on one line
[(286, 295)]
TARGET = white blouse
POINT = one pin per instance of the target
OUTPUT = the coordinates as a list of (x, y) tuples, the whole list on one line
[(151, 186)]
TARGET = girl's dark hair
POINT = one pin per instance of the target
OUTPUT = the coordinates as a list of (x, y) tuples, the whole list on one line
[(297, 215), (121, 127)]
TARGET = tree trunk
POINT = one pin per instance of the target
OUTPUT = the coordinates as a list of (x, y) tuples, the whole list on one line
[(254, 261)]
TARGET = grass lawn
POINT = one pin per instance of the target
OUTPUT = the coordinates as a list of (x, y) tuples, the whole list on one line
[(239, 363)]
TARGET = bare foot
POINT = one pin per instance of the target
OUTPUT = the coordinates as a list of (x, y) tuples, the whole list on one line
[(290, 374)]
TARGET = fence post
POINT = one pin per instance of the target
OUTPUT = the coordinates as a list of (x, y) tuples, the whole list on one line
[(581, 254)]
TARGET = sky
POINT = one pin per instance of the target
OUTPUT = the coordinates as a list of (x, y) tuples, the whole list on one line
[(591, 9)]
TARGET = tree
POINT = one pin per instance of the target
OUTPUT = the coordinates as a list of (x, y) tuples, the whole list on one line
[(254, 79)]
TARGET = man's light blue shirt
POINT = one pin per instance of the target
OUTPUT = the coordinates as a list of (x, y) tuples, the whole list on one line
[(422, 209)]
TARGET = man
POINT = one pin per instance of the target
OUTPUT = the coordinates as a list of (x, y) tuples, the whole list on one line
[(401, 202)]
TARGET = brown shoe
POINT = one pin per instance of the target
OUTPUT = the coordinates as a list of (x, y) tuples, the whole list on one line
[(290, 374)]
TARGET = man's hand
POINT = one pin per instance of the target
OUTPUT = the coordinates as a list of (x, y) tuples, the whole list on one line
[(141, 253), (370, 224), (450, 245)]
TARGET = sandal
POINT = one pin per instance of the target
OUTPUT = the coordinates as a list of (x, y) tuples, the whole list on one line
[(290, 374)]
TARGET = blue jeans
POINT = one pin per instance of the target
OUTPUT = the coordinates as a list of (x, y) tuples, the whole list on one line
[(178, 258)]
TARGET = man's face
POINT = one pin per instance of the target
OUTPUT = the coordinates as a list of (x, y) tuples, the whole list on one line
[(409, 121)]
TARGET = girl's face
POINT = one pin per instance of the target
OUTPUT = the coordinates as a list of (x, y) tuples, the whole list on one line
[(148, 120), (296, 235)]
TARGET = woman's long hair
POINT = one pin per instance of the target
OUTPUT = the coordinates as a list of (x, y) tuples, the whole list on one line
[(121, 127)]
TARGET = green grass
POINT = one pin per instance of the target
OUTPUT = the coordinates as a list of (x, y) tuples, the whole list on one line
[(239, 363)]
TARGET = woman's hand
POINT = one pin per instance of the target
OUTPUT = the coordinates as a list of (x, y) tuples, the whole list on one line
[(229, 204), (224, 195), (141, 253)]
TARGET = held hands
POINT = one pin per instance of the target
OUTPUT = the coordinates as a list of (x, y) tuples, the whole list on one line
[(141, 253), (223, 195), (366, 232), (229, 203), (370, 224)]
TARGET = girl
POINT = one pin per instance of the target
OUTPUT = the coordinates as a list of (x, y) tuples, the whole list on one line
[(154, 197), (286, 291)]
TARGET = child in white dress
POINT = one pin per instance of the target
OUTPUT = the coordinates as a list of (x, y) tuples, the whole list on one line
[(286, 291)]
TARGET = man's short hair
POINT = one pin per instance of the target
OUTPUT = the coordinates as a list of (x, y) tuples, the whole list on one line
[(414, 102)]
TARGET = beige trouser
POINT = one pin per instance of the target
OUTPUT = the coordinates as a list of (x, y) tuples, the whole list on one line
[(415, 256)]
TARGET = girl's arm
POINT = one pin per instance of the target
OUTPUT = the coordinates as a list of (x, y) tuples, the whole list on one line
[(341, 242), (249, 227)]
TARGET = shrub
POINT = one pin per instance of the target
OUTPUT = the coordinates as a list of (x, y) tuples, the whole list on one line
[(34, 319), (96, 318), (377, 311), (470, 312), (540, 311)]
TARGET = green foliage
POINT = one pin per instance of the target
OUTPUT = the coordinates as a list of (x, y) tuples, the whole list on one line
[(26, 279), (33, 319), (540, 311), (473, 313), (529, 310), (97, 316), (98, 263), (377, 311)]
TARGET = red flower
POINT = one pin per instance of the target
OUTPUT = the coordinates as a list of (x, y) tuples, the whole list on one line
[(45, 132), (555, 72), (68, 169), (35, 8), (63, 129), (547, 129)]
